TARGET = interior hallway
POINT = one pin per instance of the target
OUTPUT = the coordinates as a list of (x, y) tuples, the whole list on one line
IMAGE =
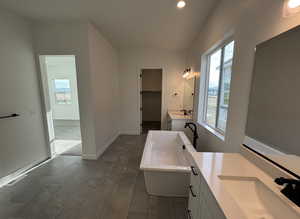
[(110, 188)]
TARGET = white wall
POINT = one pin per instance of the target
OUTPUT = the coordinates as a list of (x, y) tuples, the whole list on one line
[(131, 62), (189, 93), (97, 78), (22, 138), (71, 38), (252, 22), (105, 88)]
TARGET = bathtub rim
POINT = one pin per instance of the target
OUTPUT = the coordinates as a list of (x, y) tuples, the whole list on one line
[(146, 166)]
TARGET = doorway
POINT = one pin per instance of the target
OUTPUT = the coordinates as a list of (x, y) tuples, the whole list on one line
[(59, 81), (151, 99)]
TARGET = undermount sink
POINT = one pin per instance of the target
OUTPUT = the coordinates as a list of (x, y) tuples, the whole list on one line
[(180, 114), (256, 200)]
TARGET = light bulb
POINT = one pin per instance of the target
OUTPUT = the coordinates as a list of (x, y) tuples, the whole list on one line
[(185, 75), (181, 4)]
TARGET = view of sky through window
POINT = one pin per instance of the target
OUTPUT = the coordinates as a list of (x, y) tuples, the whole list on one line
[(218, 89), (62, 91)]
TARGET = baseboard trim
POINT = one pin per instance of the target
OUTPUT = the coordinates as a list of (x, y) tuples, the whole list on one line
[(101, 150), (129, 133), (89, 156), (22, 171)]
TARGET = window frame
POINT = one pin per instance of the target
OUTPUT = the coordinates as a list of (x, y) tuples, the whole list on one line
[(54, 92), (204, 84)]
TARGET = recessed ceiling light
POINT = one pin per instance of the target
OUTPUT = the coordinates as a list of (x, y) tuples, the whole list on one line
[(181, 4), (294, 3)]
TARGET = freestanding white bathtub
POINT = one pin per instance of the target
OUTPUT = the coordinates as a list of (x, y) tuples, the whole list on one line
[(165, 165)]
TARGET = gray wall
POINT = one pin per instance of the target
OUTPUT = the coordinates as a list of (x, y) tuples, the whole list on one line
[(274, 108), (22, 139)]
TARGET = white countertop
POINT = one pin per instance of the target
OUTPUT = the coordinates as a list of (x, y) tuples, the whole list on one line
[(212, 165), (175, 115)]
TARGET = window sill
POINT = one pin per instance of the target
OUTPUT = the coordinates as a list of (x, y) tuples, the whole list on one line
[(213, 131)]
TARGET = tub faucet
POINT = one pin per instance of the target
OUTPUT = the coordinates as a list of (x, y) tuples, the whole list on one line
[(291, 190), (194, 130)]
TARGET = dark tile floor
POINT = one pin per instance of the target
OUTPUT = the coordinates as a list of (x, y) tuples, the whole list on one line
[(110, 188)]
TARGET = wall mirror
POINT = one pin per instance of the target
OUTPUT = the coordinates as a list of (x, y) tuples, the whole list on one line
[(188, 94), (273, 122)]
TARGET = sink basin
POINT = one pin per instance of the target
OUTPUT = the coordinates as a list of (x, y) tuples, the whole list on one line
[(179, 115), (256, 200)]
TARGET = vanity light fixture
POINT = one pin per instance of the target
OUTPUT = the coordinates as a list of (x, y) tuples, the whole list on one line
[(291, 7), (293, 3), (186, 73), (181, 4)]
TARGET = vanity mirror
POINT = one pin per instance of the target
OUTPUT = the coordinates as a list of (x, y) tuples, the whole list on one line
[(188, 95), (273, 123)]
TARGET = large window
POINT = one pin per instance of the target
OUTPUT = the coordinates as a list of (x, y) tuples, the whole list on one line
[(217, 87)]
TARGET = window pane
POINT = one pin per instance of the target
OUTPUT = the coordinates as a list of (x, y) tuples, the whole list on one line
[(62, 91), (228, 52), (225, 85), (222, 118), (213, 87)]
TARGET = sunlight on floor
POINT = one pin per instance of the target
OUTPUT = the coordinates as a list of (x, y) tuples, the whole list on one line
[(63, 145)]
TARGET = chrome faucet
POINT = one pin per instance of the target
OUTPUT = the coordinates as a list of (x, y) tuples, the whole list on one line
[(291, 189), (194, 130)]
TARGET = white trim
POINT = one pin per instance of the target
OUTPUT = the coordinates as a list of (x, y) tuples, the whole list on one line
[(21, 173), (163, 101), (101, 150), (261, 147), (125, 132), (203, 86), (39, 67), (108, 143), (139, 81), (89, 156), (213, 131), (39, 61)]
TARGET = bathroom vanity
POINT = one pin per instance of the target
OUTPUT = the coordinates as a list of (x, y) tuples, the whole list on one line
[(218, 185), (176, 121), (263, 181), (229, 186)]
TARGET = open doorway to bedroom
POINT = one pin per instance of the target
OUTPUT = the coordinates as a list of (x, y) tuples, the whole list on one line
[(59, 81)]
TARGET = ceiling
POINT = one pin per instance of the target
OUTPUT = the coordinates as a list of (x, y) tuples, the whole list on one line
[(126, 23)]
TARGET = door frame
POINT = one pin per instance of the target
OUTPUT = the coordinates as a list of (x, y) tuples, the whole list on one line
[(163, 100), (42, 95)]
